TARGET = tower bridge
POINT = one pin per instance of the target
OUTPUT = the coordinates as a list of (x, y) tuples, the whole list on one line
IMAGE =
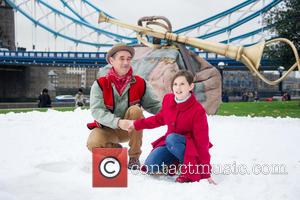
[(26, 70)]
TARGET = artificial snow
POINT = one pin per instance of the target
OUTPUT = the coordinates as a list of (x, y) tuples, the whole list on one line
[(43, 155)]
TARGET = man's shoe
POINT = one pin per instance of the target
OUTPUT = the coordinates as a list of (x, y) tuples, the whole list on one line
[(134, 164), (183, 179)]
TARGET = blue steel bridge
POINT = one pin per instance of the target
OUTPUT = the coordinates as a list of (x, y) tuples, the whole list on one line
[(62, 25), (96, 59)]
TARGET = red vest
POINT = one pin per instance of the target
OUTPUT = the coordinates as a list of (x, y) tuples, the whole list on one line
[(135, 93)]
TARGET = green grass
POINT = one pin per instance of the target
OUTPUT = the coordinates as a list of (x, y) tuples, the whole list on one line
[(261, 109), (19, 110), (253, 109)]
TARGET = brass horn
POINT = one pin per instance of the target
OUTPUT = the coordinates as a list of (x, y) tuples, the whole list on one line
[(249, 56)]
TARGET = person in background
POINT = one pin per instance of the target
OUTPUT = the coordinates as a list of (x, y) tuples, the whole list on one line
[(44, 99), (286, 96), (225, 97), (79, 98), (245, 96), (250, 96), (256, 96)]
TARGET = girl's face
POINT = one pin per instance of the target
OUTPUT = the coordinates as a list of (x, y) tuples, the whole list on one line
[(181, 88)]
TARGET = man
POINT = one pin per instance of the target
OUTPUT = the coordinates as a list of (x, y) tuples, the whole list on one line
[(79, 98), (44, 99), (118, 96)]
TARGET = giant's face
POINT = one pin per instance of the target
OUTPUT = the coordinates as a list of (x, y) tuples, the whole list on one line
[(121, 61)]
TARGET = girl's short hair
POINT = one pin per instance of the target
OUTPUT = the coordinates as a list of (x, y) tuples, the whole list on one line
[(188, 76)]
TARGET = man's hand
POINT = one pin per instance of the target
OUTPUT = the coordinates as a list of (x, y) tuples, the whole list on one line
[(124, 124)]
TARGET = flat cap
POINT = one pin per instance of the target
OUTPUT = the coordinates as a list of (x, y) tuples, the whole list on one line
[(119, 47)]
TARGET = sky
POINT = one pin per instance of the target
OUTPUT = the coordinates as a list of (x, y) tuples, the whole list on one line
[(181, 13)]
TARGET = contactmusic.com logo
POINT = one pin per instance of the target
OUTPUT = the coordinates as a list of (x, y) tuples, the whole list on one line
[(110, 167)]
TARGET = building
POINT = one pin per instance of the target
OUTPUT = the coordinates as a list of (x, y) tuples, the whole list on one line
[(235, 83), (67, 80)]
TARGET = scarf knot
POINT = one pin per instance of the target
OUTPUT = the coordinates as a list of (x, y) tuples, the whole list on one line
[(119, 82)]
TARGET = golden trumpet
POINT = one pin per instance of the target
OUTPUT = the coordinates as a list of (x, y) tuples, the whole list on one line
[(249, 56)]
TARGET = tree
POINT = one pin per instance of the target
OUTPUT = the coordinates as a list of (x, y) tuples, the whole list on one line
[(285, 23)]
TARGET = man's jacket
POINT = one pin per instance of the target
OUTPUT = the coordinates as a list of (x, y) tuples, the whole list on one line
[(110, 118)]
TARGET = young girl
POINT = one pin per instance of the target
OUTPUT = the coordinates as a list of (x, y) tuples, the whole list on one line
[(186, 141)]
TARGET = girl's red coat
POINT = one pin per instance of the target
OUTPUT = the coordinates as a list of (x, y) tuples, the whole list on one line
[(189, 119)]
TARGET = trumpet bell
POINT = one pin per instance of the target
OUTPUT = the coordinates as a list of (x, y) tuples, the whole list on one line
[(253, 54)]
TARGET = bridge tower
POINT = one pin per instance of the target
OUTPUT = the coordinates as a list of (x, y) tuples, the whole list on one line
[(7, 26), (16, 81)]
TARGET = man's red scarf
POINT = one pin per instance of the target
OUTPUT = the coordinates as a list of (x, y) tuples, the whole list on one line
[(119, 82)]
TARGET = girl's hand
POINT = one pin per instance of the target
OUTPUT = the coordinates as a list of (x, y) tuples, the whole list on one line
[(211, 181)]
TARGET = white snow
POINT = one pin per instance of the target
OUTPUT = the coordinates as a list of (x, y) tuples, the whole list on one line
[(43, 156)]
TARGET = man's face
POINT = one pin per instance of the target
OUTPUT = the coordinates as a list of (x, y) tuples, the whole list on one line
[(121, 61)]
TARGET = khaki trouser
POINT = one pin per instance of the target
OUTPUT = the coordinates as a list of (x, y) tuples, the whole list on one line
[(105, 137)]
